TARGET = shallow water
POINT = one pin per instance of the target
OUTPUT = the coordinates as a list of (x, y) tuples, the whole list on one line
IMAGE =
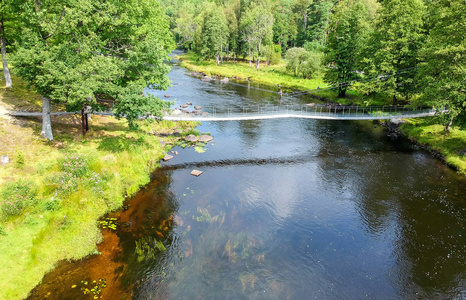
[(285, 209)]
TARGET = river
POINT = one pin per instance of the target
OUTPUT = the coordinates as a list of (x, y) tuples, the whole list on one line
[(285, 209)]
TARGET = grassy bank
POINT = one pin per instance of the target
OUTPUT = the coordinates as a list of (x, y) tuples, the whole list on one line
[(429, 132), (53, 193), (274, 75)]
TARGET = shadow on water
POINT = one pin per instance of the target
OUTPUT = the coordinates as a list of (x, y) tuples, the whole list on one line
[(126, 255)]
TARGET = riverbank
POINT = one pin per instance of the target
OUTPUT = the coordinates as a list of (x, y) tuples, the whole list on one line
[(53, 193), (431, 135), (426, 131), (267, 75)]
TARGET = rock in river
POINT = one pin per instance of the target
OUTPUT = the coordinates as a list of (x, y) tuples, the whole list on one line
[(205, 138), (191, 138), (196, 172), (198, 107), (167, 157)]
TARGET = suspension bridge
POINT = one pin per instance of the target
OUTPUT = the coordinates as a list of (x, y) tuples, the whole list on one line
[(316, 111)]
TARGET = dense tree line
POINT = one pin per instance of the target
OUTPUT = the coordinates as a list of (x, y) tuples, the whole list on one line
[(79, 51), (409, 50)]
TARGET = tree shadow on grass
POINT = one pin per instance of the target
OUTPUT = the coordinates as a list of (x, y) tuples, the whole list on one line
[(121, 143)]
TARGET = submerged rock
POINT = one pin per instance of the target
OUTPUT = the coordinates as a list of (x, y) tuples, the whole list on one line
[(205, 138), (191, 138), (184, 105), (166, 96)]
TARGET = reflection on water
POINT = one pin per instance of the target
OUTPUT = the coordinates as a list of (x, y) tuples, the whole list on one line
[(285, 209)]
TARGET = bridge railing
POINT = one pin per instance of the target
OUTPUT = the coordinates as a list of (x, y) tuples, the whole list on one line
[(315, 110)]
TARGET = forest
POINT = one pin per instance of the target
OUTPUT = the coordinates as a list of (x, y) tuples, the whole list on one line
[(412, 51)]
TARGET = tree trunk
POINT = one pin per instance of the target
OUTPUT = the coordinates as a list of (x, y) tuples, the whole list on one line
[(46, 123), (6, 71), (395, 101), (341, 92), (217, 59), (448, 125), (221, 53), (258, 55), (250, 55)]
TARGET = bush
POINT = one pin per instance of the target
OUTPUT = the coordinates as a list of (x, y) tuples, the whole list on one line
[(16, 196), (20, 160), (76, 165)]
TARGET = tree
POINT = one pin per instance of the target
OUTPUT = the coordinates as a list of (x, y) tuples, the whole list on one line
[(303, 62), (392, 52), (8, 11), (77, 51), (214, 33), (285, 28), (185, 27), (319, 21), (302, 6), (257, 27), (442, 71), (349, 26)]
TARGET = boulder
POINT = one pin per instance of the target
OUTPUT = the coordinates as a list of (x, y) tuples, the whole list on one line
[(196, 172), (189, 103), (5, 159), (167, 157), (191, 138), (198, 107), (204, 114), (205, 138), (225, 80), (184, 105), (176, 112), (166, 96), (197, 112), (177, 132), (311, 104), (206, 78)]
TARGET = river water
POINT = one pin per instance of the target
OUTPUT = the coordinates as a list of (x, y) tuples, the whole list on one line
[(285, 209)]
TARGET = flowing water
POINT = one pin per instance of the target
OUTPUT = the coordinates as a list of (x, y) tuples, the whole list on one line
[(285, 209)]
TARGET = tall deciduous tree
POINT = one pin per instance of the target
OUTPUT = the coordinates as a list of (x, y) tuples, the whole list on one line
[(442, 72), (393, 50), (349, 27), (76, 51), (214, 33), (257, 26)]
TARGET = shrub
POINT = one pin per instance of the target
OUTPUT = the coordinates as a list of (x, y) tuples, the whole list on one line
[(18, 195), (65, 182), (77, 165), (20, 160)]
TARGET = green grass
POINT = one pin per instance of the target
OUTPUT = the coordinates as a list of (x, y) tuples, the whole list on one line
[(274, 75), (58, 224), (428, 131)]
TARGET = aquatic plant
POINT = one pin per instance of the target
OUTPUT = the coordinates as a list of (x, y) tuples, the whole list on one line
[(93, 288), (206, 217), (147, 248), (110, 223)]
